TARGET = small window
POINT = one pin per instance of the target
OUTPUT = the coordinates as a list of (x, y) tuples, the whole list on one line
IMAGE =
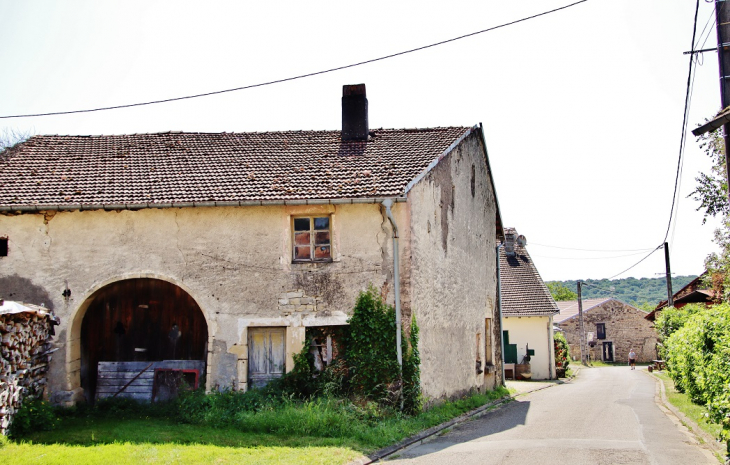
[(311, 242), (601, 330), (3, 246)]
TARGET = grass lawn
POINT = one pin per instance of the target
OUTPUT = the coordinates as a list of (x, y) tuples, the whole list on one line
[(696, 413), (318, 432)]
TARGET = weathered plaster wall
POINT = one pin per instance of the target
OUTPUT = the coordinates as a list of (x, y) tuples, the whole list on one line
[(235, 262), (453, 273), (535, 331), (626, 327)]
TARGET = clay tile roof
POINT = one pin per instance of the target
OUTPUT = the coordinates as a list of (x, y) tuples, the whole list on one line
[(169, 168), (569, 308), (523, 291)]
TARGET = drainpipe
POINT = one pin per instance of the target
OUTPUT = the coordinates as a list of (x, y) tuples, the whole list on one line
[(499, 307), (551, 349), (387, 203)]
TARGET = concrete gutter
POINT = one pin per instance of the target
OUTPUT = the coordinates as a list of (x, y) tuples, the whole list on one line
[(706, 440), (426, 435)]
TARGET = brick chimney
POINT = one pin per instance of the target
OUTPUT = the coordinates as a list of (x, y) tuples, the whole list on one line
[(354, 113), (510, 236)]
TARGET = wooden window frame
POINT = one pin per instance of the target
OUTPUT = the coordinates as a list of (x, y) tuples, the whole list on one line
[(600, 335), (314, 233)]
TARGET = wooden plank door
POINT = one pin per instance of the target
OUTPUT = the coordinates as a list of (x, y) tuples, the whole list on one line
[(266, 355)]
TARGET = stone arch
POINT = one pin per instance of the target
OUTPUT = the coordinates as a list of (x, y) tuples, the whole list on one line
[(127, 299)]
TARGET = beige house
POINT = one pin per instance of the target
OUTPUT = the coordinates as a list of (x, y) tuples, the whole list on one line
[(528, 309), (227, 248), (612, 329)]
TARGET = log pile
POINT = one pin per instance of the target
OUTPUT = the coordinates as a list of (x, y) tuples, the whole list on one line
[(25, 334)]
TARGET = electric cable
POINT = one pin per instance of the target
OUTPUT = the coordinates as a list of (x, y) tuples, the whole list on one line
[(589, 250), (684, 126), (301, 76)]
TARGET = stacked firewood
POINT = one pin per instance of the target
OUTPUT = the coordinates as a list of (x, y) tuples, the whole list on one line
[(26, 352)]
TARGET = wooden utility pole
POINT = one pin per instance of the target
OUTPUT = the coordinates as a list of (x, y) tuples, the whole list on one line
[(722, 16), (670, 294), (582, 329)]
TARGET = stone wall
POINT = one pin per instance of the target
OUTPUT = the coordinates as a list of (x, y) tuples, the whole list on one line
[(626, 328), (235, 262), (453, 273)]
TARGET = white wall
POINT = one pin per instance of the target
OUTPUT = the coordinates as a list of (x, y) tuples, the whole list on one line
[(537, 332)]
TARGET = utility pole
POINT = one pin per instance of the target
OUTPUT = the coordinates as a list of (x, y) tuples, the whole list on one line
[(670, 294), (582, 330), (722, 16)]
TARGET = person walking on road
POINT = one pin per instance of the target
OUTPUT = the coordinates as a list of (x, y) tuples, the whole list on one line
[(632, 359)]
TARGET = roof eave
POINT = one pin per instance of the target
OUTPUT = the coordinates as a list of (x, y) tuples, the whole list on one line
[(241, 203)]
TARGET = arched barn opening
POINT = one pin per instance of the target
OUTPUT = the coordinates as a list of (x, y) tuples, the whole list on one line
[(142, 338)]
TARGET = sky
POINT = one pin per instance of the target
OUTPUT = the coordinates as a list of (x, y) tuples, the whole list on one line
[(582, 109)]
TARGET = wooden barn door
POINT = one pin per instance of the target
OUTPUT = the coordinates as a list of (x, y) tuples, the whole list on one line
[(140, 320), (266, 355)]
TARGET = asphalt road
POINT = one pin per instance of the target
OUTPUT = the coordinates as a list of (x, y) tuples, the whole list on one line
[(603, 416)]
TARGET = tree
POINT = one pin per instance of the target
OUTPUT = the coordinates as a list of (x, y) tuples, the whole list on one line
[(712, 193), (712, 190), (560, 292), (9, 138)]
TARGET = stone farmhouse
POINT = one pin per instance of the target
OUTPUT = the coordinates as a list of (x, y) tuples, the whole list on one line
[(612, 329), (528, 309), (226, 249)]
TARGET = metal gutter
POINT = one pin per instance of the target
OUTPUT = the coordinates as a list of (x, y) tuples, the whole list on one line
[(238, 203), (499, 307), (387, 203)]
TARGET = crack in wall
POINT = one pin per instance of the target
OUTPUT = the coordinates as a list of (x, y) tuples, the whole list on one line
[(177, 244)]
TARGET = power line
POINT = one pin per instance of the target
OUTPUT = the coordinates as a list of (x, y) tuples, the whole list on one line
[(588, 258), (635, 264), (684, 125), (682, 141), (589, 250), (301, 76)]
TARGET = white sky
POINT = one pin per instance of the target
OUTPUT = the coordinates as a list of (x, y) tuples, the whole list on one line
[(582, 109)]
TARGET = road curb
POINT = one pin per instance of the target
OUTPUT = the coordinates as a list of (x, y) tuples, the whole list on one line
[(428, 434), (706, 440)]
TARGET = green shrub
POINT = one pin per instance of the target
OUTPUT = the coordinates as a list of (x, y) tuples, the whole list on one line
[(562, 351), (372, 358), (371, 347), (697, 355), (33, 415)]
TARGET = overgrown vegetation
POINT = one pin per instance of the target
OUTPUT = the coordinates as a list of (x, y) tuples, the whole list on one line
[(644, 293), (358, 403), (696, 347), (562, 351)]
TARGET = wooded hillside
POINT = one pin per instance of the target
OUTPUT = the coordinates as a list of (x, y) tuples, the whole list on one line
[(644, 293)]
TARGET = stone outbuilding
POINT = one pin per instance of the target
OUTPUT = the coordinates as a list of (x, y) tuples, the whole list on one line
[(697, 291), (226, 248), (527, 309), (612, 329)]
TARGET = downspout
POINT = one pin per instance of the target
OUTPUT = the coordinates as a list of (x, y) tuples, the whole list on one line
[(551, 350), (387, 203), (499, 307)]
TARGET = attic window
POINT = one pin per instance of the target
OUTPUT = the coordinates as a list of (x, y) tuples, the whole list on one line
[(3, 246), (311, 241)]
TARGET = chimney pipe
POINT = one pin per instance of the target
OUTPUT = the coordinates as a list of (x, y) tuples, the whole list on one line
[(354, 113)]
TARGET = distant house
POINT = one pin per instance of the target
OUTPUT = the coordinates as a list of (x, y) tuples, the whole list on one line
[(694, 292), (527, 309), (229, 250), (612, 329)]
